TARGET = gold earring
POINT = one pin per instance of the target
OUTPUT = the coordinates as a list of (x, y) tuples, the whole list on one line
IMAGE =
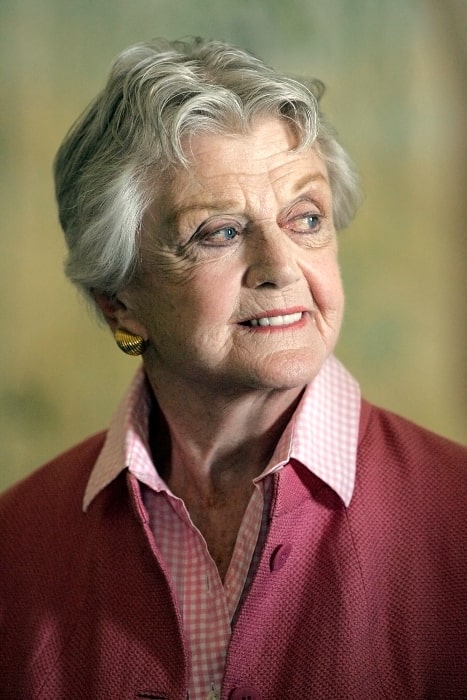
[(130, 343)]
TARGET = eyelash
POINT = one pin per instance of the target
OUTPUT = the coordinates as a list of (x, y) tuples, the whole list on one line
[(209, 238), (304, 217)]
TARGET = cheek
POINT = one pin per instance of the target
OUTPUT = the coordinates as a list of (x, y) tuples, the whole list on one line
[(335, 289), (324, 281), (212, 300), (195, 302), (213, 288)]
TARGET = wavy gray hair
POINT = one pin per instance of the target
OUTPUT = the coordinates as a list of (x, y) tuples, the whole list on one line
[(107, 168)]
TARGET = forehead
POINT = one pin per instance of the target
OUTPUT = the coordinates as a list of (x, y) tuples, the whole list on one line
[(262, 160)]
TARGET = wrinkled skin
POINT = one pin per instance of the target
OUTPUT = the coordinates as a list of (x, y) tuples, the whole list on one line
[(245, 232)]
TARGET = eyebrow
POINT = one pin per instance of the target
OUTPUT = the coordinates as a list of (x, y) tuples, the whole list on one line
[(213, 206), (309, 180)]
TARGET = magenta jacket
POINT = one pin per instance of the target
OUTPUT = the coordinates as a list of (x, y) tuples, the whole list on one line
[(359, 603)]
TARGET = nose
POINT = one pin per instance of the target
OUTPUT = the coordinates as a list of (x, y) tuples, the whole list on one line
[(271, 258)]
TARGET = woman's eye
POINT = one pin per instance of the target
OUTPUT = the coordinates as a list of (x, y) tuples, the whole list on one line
[(306, 223), (302, 223), (223, 236), (313, 221)]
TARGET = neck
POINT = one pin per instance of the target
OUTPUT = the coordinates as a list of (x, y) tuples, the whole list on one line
[(217, 441), (208, 448)]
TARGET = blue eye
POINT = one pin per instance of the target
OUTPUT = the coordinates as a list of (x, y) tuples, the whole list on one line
[(305, 223), (312, 220), (221, 236), (228, 233)]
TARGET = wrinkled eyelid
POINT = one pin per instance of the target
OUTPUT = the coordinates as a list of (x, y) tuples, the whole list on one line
[(223, 231), (217, 231), (303, 209), (288, 222)]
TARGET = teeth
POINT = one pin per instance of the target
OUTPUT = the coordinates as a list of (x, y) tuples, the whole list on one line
[(276, 320)]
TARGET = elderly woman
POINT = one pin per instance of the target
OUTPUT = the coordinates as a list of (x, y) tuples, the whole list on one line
[(248, 526)]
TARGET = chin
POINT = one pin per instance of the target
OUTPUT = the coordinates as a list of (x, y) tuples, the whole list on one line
[(289, 372)]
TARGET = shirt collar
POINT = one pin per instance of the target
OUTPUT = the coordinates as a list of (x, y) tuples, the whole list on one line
[(325, 435), (322, 435), (126, 443)]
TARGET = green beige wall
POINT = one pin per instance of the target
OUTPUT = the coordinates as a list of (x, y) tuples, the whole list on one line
[(396, 79)]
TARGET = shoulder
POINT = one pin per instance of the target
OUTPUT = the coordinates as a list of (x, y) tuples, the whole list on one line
[(410, 496), (56, 487), (405, 470), (45, 540), (44, 532), (399, 439)]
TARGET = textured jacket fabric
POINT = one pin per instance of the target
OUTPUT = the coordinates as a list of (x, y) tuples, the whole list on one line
[(361, 602)]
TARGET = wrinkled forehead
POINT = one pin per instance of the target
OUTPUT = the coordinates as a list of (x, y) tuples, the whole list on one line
[(231, 165)]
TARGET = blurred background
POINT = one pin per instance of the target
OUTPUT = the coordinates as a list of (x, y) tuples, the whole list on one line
[(396, 74)]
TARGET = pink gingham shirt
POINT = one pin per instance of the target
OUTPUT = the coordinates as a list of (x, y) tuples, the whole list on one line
[(322, 435)]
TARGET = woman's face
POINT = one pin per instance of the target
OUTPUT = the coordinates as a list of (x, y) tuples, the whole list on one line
[(240, 286)]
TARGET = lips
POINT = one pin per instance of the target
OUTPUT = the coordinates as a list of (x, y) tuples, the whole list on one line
[(275, 321)]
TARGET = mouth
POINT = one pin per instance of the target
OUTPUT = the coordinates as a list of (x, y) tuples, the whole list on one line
[(274, 321)]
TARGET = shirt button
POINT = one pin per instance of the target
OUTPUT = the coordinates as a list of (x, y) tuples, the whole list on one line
[(279, 556), (246, 692)]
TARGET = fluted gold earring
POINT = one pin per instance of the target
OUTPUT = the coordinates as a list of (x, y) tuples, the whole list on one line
[(130, 343)]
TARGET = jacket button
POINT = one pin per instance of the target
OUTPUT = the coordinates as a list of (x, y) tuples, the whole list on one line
[(246, 692), (279, 556)]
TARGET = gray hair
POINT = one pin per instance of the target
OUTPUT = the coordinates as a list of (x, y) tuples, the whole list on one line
[(157, 94)]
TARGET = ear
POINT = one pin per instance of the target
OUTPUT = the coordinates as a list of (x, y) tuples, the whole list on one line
[(117, 314)]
